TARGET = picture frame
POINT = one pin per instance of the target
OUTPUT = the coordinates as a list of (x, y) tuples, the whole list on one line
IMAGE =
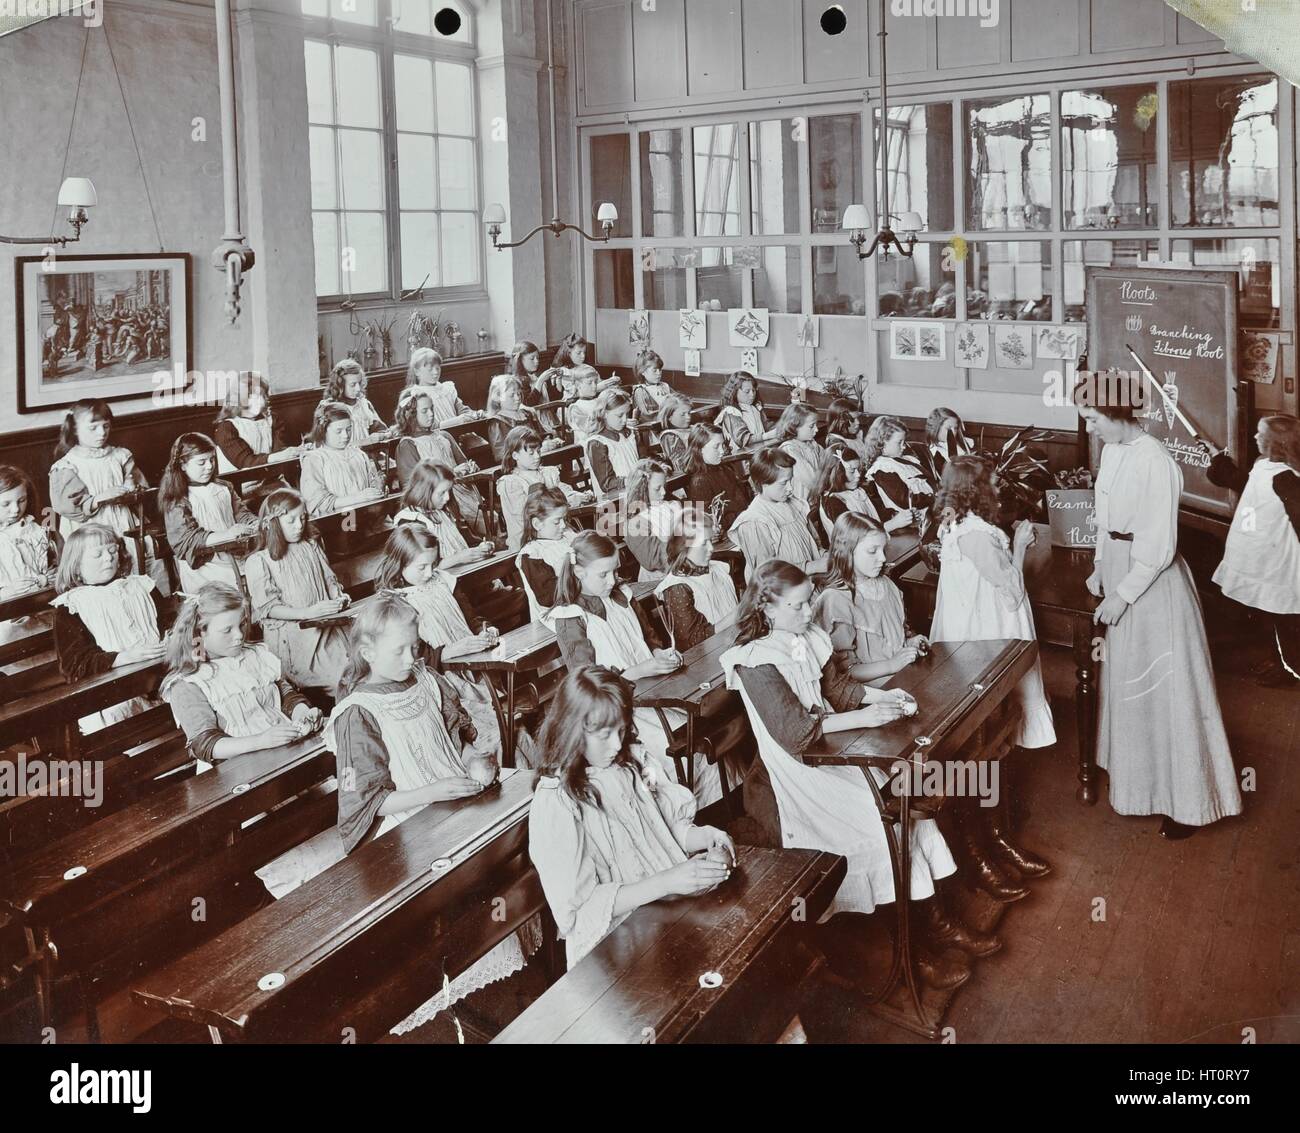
[(106, 326)]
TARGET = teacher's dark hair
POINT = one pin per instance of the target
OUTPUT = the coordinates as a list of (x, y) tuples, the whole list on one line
[(1117, 394)]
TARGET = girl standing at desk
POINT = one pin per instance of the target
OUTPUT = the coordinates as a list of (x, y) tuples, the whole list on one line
[(1160, 735)]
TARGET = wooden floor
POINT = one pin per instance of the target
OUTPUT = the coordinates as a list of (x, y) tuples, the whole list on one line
[(1198, 940)]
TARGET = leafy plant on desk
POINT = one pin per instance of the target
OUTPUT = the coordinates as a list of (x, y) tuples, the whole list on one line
[(1074, 479)]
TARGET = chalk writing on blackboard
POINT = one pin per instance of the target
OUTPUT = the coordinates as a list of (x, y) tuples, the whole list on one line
[(1184, 343)]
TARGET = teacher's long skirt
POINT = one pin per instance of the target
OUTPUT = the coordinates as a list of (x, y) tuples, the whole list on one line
[(1161, 734)]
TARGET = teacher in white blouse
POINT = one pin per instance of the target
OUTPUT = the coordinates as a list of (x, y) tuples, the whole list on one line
[(1160, 735)]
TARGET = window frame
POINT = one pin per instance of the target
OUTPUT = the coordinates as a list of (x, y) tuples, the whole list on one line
[(384, 38)]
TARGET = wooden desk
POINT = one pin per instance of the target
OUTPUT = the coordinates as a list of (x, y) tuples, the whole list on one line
[(30, 602), (370, 939), (1056, 581), (642, 983)]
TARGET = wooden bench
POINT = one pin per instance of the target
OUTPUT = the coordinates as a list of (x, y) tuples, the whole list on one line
[(154, 856), (723, 966), (355, 950)]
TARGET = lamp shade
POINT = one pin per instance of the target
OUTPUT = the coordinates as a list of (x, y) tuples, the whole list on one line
[(78, 192), (856, 219), (910, 222), (494, 214), (606, 213)]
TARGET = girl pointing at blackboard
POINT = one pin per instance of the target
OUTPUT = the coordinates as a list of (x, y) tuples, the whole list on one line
[(1160, 736), (1261, 560)]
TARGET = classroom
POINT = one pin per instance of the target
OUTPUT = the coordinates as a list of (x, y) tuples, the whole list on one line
[(621, 522)]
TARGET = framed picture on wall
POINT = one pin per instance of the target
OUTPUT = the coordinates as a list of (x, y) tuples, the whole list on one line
[(111, 327)]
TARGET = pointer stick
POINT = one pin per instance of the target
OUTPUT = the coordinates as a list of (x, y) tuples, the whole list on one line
[(1173, 405)]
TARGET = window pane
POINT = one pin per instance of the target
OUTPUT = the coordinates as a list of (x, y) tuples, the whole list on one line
[(320, 90), (324, 190), (839, 281), (777, 285), (1078, 255), (362, 166), (611, 178), (354, 11), (460, 235), (456, 173), (455, 103), (773, 177), (1009, 280), (717, 278), (1256, 261), (315, 7), (417, 178), (1009, 163), (613, 279), (665, 285), (363, 232), (717, 191), (920, 163), (835, 166), (663, 182), (325, 236), (1224, 152), (357, 74), (413, 85), (420, 255), (918, 288), (1108, 158)]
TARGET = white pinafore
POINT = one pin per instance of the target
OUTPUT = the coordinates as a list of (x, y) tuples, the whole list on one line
[(214, 511), (622, 459), (714, 593), (438, 524), (255, 432), (554, 553), (1261, 560), (420, 751), (831, 808), (619, 643)]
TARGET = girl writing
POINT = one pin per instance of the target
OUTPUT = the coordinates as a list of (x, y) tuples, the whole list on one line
[(427, 502), (838, 489), (674, 421), (712, 484), (607, 831), (581, 412), (335, 473), (199, 512), (290, 580), (28, 557), (410, 569), (506, 412), (596, 623), (650, 517), (651, 392), (571, 358), (845, 427), (401, 741), (246, 433)]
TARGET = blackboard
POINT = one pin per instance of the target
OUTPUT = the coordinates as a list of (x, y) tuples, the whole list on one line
[(1183, 324)]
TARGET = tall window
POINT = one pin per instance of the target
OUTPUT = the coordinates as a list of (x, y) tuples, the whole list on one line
[(394, 153)]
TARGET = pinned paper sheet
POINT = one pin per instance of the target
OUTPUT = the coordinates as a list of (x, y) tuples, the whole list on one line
[(747, 326), (1259, 356), (810, 330), (1013, 347), (692, 363), (970, 346), (692, 330), (638, 329), (749, 360)]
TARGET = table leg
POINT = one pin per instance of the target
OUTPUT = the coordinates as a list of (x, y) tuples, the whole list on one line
[(1085, 701), (508, 740)]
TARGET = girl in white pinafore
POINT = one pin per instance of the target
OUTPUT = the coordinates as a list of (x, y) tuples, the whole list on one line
[(972, 606), (27, 553), (395, 735), (821, 808), (612, 450), (603, 629), (547, 542), (698, 593)]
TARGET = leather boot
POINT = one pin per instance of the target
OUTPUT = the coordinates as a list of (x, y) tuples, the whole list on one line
[(1006, 852), (940, 970), (943, 930), (979, 868)]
